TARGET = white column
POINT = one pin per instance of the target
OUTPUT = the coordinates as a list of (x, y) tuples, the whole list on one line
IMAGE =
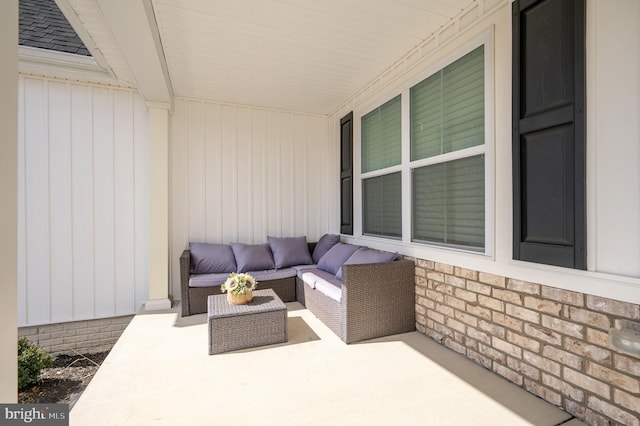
[(9, 201), (158, 207)]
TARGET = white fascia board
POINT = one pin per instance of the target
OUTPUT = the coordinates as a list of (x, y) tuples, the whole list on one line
[(84, 35), (134, 28), (51, 60)]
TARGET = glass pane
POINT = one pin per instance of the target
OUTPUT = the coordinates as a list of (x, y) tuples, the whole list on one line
[(447, 109), (382, 205), (448, 202), (381, 138)]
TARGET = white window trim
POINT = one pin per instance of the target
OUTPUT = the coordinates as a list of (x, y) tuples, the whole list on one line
[(488, 149)]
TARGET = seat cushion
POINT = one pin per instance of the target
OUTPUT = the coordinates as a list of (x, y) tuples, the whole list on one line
[(324, 282), (207, 280)]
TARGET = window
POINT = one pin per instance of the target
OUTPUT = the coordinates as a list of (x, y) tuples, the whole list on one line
[(424, 158), (382, 183), (447, 116)]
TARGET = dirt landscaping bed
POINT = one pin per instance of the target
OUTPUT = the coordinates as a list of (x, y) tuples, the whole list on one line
[(64, 381)]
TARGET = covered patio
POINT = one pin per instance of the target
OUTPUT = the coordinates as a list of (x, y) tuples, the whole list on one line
[(494, 143), (313, 379)]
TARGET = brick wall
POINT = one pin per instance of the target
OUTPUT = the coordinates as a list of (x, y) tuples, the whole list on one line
[(552, 342), (84, 337)]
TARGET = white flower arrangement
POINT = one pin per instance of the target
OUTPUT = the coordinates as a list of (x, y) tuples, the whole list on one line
[(238, 284)]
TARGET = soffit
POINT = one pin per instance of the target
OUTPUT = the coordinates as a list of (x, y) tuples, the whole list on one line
[(299, 55)]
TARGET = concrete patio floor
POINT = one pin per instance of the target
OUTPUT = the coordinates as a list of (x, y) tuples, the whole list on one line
[(159, 372)]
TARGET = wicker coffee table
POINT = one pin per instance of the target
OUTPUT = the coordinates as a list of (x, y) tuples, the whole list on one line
[(263, 321)]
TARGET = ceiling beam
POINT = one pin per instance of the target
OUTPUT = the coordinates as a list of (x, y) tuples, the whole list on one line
[(134, 28)]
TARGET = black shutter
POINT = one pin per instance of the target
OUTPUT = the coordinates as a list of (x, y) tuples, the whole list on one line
[(549, 132), (346, 174)]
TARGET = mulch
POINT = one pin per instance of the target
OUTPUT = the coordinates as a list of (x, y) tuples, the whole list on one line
[(65, 381)]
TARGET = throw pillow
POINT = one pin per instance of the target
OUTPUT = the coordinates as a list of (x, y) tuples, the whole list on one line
[(252, 257), (290, 251), (367, 255), (323, 245), (336, 256), (211, 258)]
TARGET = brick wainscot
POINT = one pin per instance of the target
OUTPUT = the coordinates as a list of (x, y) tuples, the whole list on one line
[(552, 342)]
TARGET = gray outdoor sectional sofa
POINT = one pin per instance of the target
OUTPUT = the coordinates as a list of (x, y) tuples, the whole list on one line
[(359, 293)]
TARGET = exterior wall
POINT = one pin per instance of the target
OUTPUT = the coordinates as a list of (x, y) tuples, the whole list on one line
[(77, 337), (552, 342), (613, 180), (83, 202), (544, 328), (9, 197), (239, 173)]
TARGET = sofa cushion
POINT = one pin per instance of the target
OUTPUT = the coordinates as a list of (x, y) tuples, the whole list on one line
[(324, 282), (290, 251), (366, 255), (207, 280), (323, 245), (252, 257), (209, 258), (336, 256), (273, 274)]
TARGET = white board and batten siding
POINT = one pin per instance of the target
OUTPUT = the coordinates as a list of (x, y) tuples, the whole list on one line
[(239, 174), (83, 201)]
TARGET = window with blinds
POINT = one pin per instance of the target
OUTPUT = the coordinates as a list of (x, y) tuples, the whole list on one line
[(382, 200), (381, 149), (447, 115)]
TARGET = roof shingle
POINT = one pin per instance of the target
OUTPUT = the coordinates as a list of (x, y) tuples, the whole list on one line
[(43, 25)]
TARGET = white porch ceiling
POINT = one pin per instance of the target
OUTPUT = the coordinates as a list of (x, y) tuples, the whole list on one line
[(297, 55)]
